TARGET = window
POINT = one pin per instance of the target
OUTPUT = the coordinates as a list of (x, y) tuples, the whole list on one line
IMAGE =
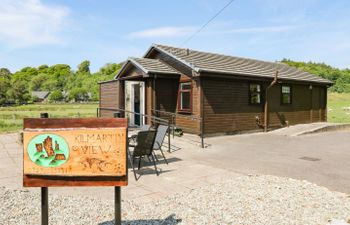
[(286, 97), (185, 97), (254, 93)]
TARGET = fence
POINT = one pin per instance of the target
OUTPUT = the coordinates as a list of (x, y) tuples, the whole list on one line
[(172, 117), (117, 112), (170, 120)]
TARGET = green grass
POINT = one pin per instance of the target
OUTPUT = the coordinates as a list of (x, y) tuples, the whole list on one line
[(336, 103), (11, 118)]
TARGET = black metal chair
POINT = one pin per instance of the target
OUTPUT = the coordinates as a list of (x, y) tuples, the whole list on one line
[(158, 143), (144, 127), (143, 148)]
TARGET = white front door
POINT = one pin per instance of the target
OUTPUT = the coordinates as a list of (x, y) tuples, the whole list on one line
[(135, 102)]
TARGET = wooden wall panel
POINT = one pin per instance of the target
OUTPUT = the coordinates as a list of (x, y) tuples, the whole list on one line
[(227, 108), (166, 94), (110, 95)]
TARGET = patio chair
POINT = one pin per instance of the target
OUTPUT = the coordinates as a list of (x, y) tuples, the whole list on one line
[(157, 146), (144, 127), (143, 148)]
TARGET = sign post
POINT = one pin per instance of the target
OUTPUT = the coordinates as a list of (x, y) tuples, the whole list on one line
[(117, 206), (44, 194), (75, 152)]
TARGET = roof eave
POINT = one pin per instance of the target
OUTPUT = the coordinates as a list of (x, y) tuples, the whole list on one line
[(121, 70), (136, 64), (160, 72), (107, 81), (154, 46)]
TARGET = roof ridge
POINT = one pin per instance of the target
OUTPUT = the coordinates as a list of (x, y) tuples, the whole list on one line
[(220, 54)]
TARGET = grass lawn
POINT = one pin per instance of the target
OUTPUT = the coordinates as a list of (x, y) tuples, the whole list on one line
[(336, 102), (11, 118)]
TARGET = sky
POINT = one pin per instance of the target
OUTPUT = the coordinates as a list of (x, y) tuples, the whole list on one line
[(37, 32)]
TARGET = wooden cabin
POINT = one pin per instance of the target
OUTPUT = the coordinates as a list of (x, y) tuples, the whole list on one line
[(212, 93)]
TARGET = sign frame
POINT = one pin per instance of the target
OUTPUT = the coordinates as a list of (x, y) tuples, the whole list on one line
[(43, 124)]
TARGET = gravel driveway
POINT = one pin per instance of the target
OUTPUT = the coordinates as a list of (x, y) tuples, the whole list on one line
[(243, 200)]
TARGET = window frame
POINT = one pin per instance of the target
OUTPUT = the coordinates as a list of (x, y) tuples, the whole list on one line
[(179, 99), (290, 94), (250, 94)]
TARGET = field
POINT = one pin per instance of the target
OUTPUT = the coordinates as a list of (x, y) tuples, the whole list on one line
[(336, 104), (11, 118)]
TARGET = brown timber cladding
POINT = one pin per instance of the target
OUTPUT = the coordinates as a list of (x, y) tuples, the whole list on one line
[(227, 108), (167, 100), (109, 97), (184, 122)]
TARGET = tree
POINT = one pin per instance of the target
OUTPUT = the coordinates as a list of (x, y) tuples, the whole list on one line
[(49, 85), (4, 87), (19, 92), (78, 94), (37, 82), (60, 73), (84, 67), (56, 96), (43, 68), (4, 72), (81, 84)]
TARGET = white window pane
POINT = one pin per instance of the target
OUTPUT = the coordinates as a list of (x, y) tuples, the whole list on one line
[(254, 88), (285, 89), (255, 98)]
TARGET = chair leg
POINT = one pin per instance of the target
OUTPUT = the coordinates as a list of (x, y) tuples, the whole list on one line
[(161, 151), (139, 166), (155, 156), (132, 164), (155, 166)]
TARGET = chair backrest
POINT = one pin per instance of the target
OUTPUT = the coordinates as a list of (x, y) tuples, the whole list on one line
[(145, 140), (161, 132), (145, 127)]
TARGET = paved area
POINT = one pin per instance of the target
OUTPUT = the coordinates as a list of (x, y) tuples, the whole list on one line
[(320, 158), (181, 175)]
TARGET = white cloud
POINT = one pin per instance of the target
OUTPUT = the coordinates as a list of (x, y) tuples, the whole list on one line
[(161, 32), (26, 23)]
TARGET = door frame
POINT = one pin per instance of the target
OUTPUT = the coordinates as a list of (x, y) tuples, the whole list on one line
[(131, 86)]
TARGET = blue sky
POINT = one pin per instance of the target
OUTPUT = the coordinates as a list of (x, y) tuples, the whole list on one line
[(36, 32)]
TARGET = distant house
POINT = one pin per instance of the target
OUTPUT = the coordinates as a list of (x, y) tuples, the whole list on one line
[(40, 96), (230, 94)]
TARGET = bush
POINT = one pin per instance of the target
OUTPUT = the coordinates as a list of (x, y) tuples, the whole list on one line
[(56, 96), (78, 94)]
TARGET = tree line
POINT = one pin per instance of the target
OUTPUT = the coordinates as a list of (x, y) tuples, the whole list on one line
[(339, 77), (63, 83)]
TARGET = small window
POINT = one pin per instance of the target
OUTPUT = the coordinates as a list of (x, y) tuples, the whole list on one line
[(254, 93), (185, 97), (286, 95)]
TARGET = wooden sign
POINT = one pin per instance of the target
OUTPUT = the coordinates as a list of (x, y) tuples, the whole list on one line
[(75, 152)]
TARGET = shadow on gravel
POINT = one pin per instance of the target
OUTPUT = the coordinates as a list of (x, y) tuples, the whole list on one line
[(170, 220)]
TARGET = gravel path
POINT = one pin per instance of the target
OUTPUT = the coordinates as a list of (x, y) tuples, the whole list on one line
[(243, 200)]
